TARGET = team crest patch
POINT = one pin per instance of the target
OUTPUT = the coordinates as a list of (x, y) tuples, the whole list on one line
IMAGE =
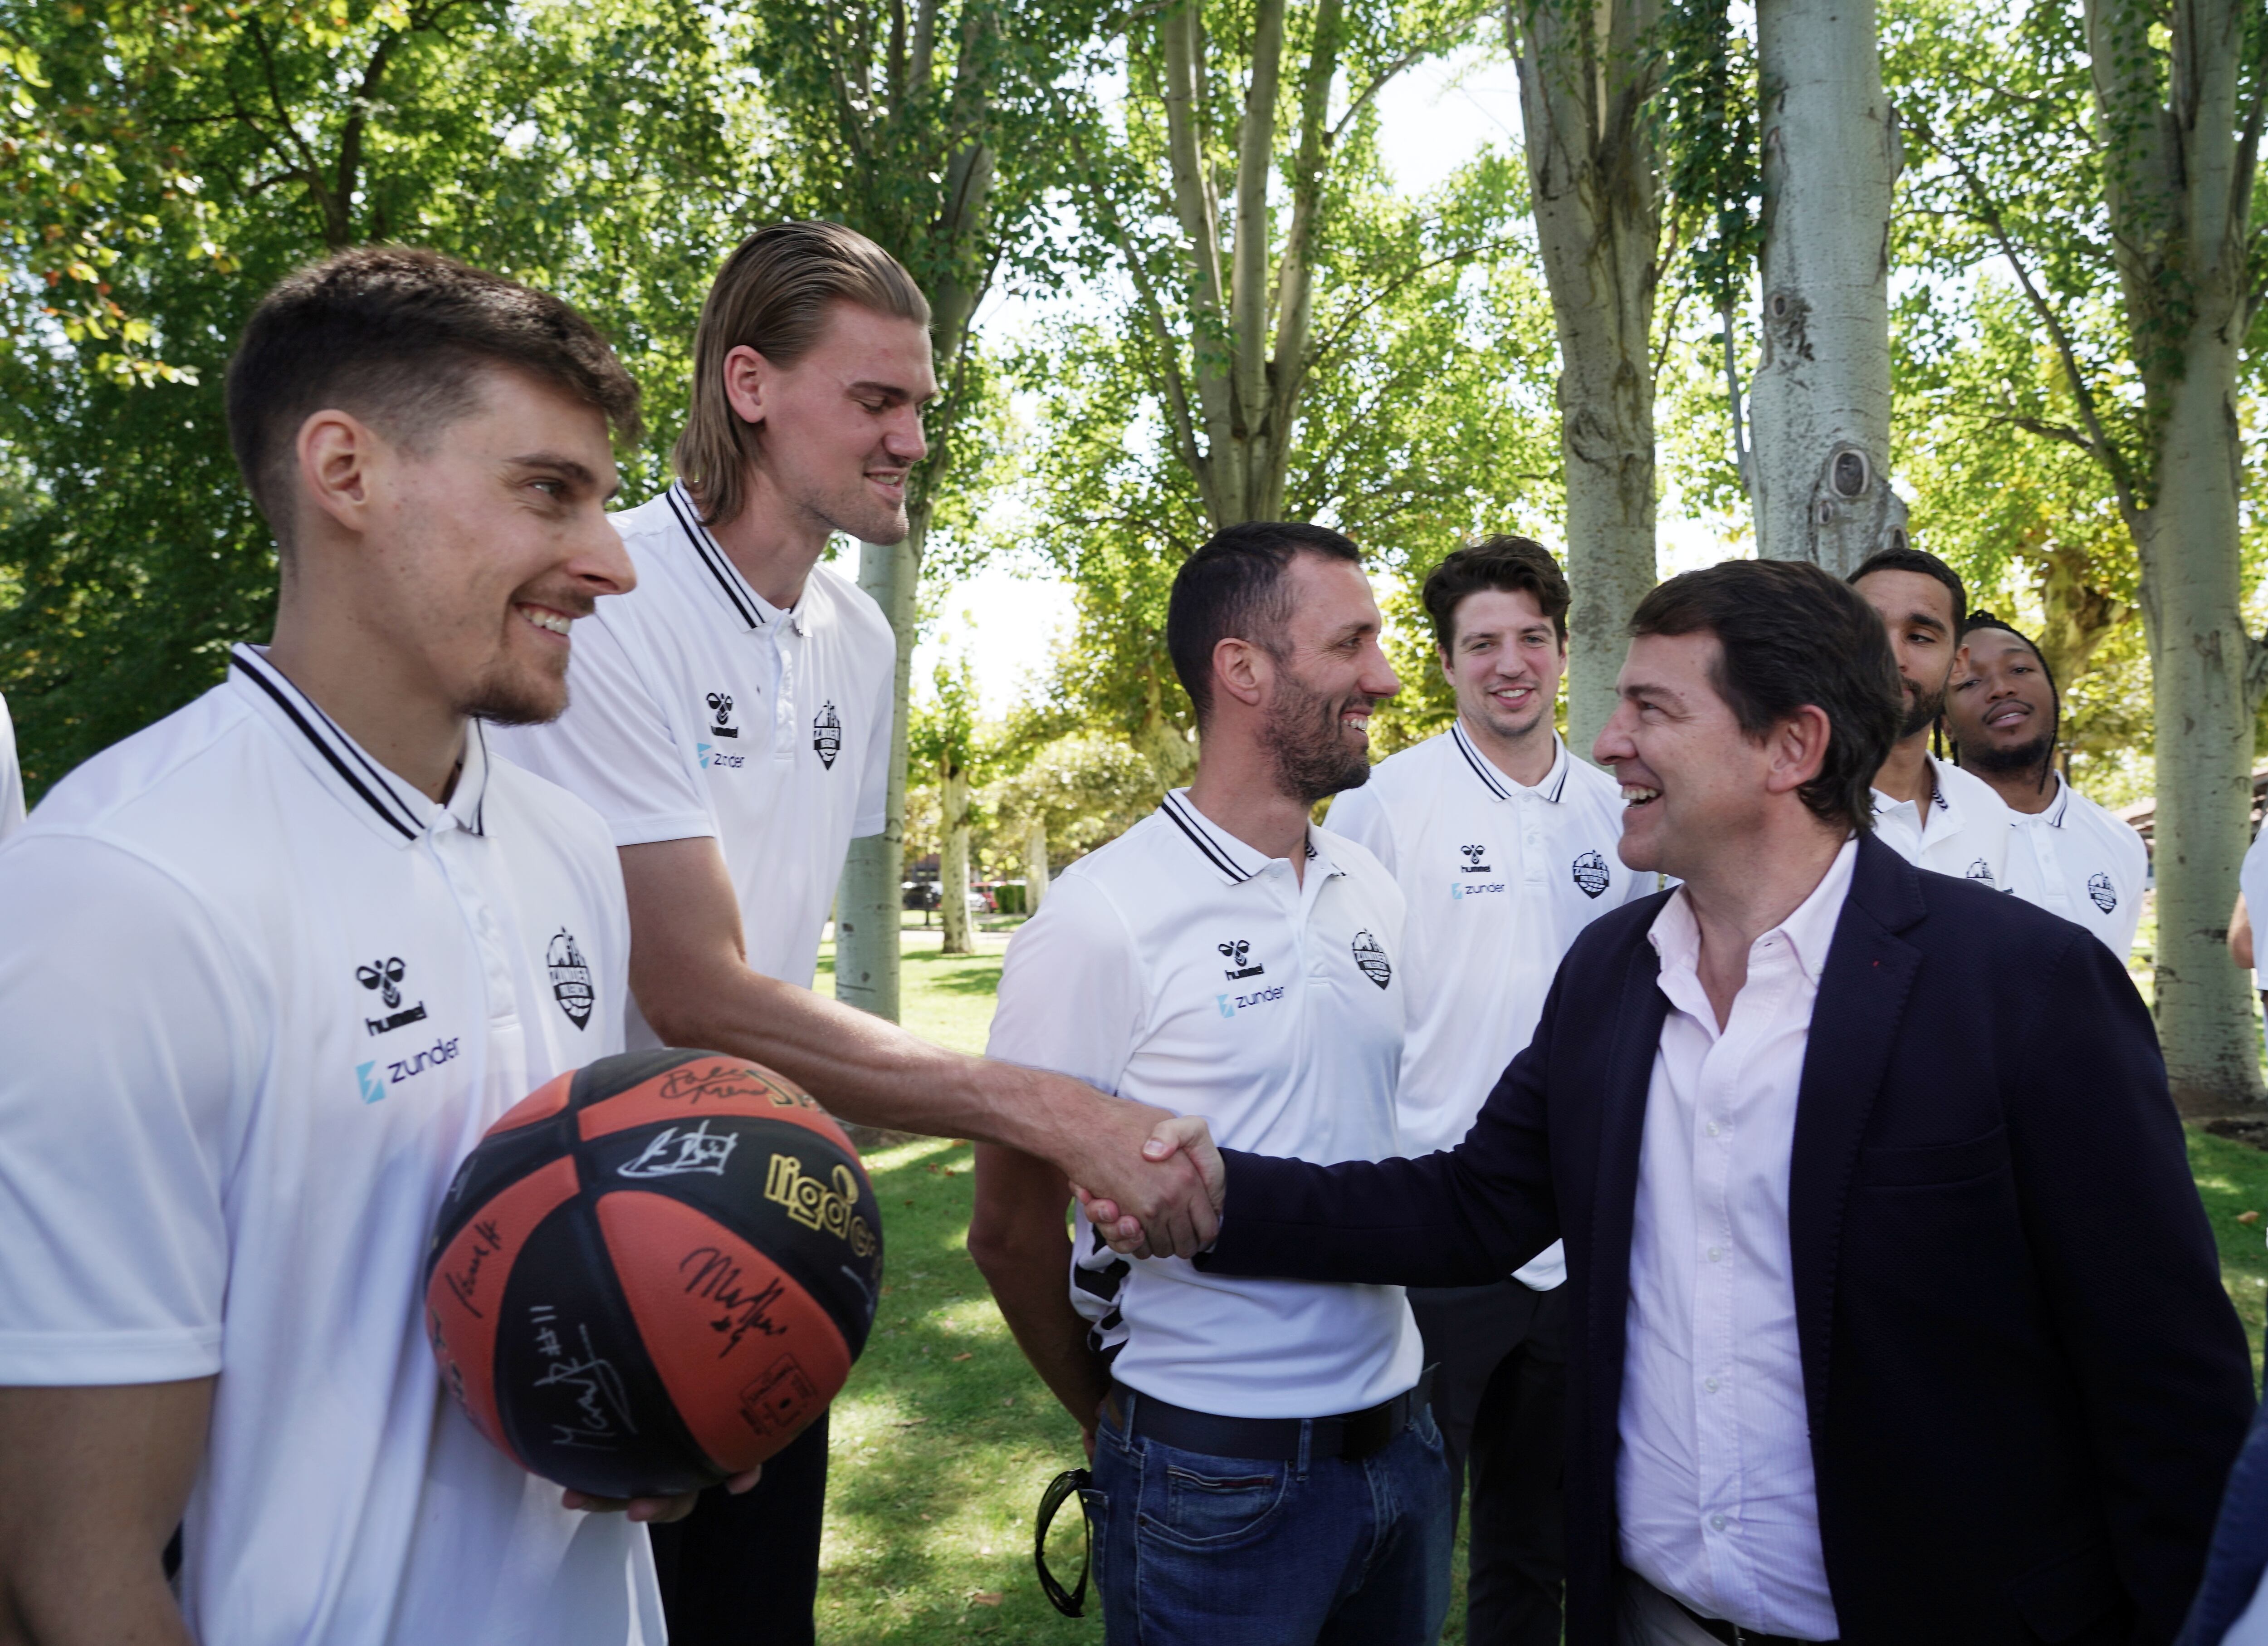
[(1372, 959), (384, 976), (1980, 870), (1591, 874), (570, 979), (720, 706), (827, 735), (1237, 954), (2100, 894)]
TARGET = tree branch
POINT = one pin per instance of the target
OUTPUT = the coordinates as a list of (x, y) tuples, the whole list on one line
[(1255, 161)]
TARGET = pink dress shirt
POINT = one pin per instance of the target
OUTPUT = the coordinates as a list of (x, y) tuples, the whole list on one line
[(1714, 1482)]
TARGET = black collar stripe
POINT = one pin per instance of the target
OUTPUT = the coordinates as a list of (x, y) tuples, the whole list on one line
[(394, 814), (1218, 858), (680, 503), (1480, 767)]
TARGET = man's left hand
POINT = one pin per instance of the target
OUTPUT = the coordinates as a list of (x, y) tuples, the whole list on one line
[(656, 1511)]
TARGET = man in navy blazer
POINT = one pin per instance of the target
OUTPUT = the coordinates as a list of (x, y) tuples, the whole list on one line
[(1895, 1317)]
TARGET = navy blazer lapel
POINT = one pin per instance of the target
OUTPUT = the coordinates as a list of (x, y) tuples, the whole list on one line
[(1855, 1023)]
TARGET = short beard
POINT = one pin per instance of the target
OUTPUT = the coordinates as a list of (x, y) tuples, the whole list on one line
[(1312, 758), (1923, 715), (502, 700), (2032, 756)]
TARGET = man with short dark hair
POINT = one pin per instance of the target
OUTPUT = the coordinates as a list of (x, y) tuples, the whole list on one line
[(1266, 1467), (1929, 811), (268, 969), (1504, 845), (2067, 854), (731, 720), (1865, 1342)]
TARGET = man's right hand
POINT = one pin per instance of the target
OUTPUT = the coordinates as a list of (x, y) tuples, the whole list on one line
[(1175, 1139)]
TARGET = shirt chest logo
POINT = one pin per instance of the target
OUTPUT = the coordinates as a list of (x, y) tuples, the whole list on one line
[(570, 977), (1592, 875), (1980, 870), (1473, 863), (2100, 894), (1371, 958), (827, 735), (1241, 964), (721, 711), (384, 977)]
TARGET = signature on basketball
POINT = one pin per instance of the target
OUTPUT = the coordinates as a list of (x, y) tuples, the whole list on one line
[(601, 1411), (463, 1281), (712, 1274), (717, 1082)]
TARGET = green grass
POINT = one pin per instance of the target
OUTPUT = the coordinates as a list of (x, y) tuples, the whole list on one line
[(943, 1440)]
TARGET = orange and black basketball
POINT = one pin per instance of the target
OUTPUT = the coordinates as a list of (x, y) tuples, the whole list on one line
[(654, 1271)]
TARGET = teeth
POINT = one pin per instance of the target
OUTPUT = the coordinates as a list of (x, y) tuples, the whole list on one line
[(1360, 722), (1632, 795), (551, 620)]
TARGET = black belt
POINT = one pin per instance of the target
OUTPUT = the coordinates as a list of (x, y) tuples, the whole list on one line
[(1734, 1634), (1349, 1435)]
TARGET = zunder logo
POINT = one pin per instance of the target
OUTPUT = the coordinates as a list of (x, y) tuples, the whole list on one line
[(2100, 894), (1372, 959), (1236, 953), (384, 976), (827, 735), (570, 977), (720, 706), (1591, 874)]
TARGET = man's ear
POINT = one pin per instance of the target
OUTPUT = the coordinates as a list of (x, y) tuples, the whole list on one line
[(1796, 750), (1448, 677), (1242, 670), (339, 460), (748, 376)]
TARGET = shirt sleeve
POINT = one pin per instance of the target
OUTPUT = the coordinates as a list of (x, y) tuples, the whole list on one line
[(1071, 999), (1360, 816), (2253, 879), (613, 748), (125, 1030), (874, 775)]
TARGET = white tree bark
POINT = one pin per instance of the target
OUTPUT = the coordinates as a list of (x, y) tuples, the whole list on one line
[(1035, 864), (1821, 404), (870, 895), (953, 862), (1584, 78)]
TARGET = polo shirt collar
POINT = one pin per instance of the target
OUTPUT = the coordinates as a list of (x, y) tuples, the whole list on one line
[(1229, 857), (397, 811), (2053, 815), (1553, 785), (1939, 803), (749, 609)]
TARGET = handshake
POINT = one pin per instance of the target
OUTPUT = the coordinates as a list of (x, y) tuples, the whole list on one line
[(1169, 1204)]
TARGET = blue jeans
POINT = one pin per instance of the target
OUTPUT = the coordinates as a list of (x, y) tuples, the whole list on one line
[(1196, 1550)]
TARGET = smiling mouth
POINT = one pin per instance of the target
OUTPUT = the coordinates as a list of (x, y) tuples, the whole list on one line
[(2008, 716), (1635, 795), (550, 621), (1357, 722)]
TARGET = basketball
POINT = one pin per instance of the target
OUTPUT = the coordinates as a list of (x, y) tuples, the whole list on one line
[(652, 1272)]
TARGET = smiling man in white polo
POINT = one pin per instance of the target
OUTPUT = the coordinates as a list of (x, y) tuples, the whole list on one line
[(1266, 1457)]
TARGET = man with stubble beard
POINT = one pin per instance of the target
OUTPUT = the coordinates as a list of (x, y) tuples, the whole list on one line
[(1263, 1452)]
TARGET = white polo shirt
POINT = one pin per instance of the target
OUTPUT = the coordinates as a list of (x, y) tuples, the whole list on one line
[(1179, 967), (1967, 834), (2077, 861), (258, 998), (1500, 880), (11, 778), (696, 707)]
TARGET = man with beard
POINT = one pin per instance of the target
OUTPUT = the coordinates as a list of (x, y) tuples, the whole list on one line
[(1264, 1455), (1505, 846), (2067, 854), (1929, 811)]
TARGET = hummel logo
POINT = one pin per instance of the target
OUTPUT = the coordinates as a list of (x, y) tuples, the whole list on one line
[(721, 706), (1236, 953), (1473, 854), (386, 977)]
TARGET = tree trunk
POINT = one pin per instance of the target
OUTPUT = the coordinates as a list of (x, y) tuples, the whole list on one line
[(953, 862), (868, 900), (2192, 592), (1035, 864), (1584, 79), (1821, 408)]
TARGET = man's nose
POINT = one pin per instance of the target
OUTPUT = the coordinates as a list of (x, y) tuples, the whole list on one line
[(904, 440), (1613, 741), (601, 563)]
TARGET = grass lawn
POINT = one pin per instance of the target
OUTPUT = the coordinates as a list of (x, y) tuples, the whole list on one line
[(943, 1441)]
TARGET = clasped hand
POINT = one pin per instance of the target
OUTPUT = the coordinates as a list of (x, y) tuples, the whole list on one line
[(1186, 1228)]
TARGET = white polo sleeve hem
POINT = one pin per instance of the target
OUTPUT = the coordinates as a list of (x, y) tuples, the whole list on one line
[(653, 831), (66, 1360), (862, 827)]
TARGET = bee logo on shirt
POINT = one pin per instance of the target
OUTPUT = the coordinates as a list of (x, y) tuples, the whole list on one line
[(570, 979), (1371, 958), (827, 735), (384, 976), (720, 708), (1472, 864), (1592, 875), (2100, 893), (1236, 953)]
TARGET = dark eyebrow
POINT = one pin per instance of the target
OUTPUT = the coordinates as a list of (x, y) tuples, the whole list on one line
[(1923, 620), (568, 468), (893, 393)]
